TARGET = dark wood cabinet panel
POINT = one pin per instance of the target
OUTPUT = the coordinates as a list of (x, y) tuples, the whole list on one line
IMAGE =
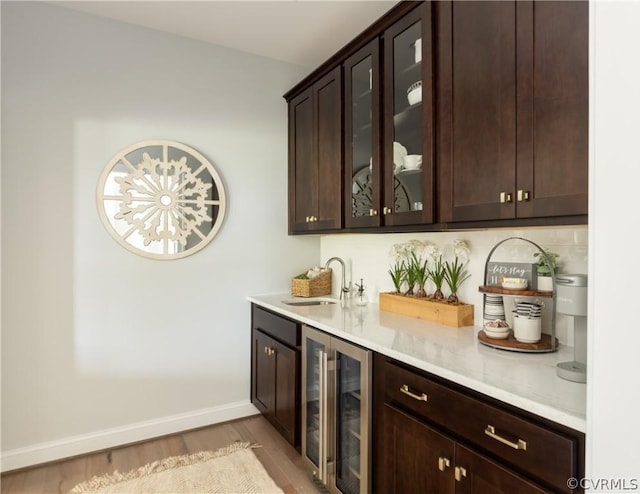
[(477, 109), (263, 392), (328, 106), (480, 475), (553, 107), (287, 386), (513, 110), (315, 156), (416, 458), (302, 181), (281, 328), (275, 371)]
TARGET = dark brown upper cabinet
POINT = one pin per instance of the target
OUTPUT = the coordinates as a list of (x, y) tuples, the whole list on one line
[(315, 156), (512, 109), (407, 116), (384, 123), (498, 116)]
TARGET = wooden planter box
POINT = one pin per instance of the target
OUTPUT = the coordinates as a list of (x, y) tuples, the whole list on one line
[(456, 316)]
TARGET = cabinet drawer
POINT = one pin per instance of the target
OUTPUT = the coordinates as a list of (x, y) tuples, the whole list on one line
[(526, 445), (281, 328)]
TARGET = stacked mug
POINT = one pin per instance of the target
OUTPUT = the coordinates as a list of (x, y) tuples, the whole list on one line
[(527, 322)]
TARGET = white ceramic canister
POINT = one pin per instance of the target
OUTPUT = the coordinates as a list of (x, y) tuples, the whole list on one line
[(526, 329)]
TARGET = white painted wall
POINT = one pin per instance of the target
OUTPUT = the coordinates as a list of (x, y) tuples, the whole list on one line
[(612, 392), (100, 346)]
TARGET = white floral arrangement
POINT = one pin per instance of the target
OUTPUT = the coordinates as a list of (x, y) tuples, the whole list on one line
[(417, 261)]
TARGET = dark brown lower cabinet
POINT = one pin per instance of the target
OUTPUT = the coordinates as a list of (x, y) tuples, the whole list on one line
[(481, 475), (275, 374), (414, 456), (418, 458), (436, 437)]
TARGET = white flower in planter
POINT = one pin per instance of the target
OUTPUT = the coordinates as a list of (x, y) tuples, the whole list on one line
[(461, 250)]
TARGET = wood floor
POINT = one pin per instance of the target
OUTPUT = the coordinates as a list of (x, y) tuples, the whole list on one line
[(279, 458)]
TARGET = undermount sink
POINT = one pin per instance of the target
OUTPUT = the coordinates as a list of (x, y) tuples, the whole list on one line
[(309, 302)]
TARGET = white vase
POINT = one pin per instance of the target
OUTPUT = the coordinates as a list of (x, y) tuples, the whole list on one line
[(545, 283)]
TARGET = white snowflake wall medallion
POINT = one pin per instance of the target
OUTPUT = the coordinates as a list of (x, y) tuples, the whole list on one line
[(161, 199)]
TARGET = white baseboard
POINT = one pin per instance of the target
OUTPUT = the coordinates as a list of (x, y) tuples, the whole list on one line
[(110, 438)]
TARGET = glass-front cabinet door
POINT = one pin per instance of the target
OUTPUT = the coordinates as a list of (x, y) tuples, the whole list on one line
[(408, 174), (362, 142)]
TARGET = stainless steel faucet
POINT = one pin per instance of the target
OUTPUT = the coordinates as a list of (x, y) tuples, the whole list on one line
[(343, 289)]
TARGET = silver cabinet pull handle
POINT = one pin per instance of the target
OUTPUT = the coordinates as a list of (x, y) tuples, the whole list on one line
[(459, 473), (405, 389), (491, 432)]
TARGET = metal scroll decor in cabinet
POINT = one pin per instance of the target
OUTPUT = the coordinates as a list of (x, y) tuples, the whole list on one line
[(548, 342), (335, 412)]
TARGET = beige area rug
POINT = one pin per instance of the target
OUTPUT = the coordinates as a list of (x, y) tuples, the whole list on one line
[(233, 470)]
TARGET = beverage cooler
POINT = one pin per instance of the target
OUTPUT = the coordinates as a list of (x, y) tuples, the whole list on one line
[(336, 408)]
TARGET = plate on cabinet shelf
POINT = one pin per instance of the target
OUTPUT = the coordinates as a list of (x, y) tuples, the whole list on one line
[(399, 152), (406, 172)]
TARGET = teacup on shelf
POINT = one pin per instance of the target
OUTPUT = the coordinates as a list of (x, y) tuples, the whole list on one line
[(413, 161)]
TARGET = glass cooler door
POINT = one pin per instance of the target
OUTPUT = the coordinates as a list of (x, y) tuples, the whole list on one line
[(352, 422), (315, 348)]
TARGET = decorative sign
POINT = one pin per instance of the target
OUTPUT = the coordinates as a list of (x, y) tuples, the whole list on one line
[(496, 271)]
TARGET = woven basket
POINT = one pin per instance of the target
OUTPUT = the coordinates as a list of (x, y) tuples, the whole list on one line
[(315, 287)]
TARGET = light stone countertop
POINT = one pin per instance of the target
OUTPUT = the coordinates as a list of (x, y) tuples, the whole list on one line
[(524, 380)]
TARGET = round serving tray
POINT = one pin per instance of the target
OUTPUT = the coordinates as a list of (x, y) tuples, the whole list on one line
[(513, 345)]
